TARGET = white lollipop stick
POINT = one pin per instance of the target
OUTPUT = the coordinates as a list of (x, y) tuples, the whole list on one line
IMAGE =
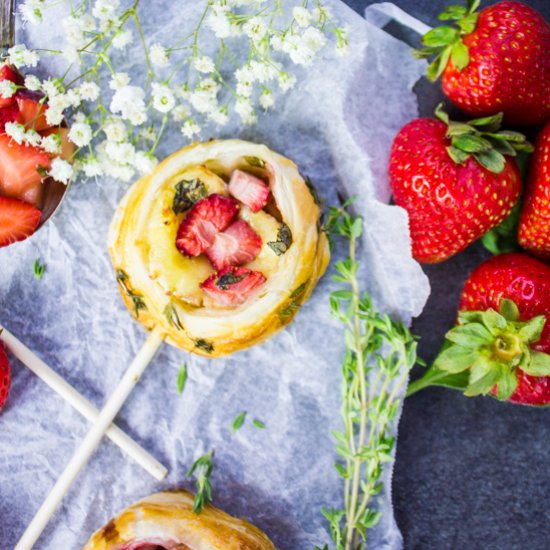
[(90, 442), (81, 404)]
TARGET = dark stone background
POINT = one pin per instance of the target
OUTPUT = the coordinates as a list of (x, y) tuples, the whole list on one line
[(471, 473)]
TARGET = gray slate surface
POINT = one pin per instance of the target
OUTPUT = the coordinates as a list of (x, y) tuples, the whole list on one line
[(471, 473)]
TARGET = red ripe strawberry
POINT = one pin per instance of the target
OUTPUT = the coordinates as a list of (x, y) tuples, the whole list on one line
[(534, 227), (32, 109), (9, 114), (7, 73), (5, 374), (232, 286), (494, 61), (18, 220), (249, 189), (503, 334), (237, 245), (22, 168), (454, 181), (206, 218)]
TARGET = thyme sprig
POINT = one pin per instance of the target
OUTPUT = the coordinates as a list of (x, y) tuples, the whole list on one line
[(380, 352), (204, 466)]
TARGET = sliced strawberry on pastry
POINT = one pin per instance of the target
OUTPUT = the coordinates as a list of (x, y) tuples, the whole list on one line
[(32, 109), (232, 286), (237, 245), (204, 220), (249, 189), (7, 73), (18, 220), (22, 168), (9, 113)]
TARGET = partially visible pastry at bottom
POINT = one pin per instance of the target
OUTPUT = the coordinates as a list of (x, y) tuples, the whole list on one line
[(166, 521)]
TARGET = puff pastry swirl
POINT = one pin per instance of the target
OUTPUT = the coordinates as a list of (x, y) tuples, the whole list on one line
[(165, 521), (164, 288)]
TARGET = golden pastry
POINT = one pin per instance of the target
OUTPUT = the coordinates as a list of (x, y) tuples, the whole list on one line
[(219, 246), (165, 521)]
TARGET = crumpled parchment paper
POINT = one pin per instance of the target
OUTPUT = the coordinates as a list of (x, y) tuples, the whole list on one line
[(337, 124)]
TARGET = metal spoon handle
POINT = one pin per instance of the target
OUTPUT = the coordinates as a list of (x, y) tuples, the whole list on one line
[(7, 25)]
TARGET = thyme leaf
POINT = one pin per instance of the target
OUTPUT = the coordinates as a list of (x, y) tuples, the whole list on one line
[(255, 161), (203, 466), (283, 242), (205, 345), (172, 316), (259, 424), (182, 378), (38, 269), (188, 192), (239, 421), (225, 281), (137, 299)]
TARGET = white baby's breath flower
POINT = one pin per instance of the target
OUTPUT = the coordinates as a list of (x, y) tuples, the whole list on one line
[(7, 88), (190, 129), (119, 80), (31, 12), (81, 134), (115, 130), (145, 162), (342, 47), (73, 97), (79, 116), (163, 98), (16, 131), (121, 153), (70, 53), (54, 117), (158, 55), (203, 101), (89, 91), (51, 87), (19, 56), (179, 113), (219, 24), (32, 83), (91, 167), (219, 116), (33, 138), (105, 12), (148, 134), (59, 102), (245, 109), (61, 170), (302, 16), (51, 144), (122, 39), (286, 81), (87, 23), (255, 28), (262, 72), (73, 31), (204, 64), (266, 99), (244, 78), (128, 101), (277, 42)]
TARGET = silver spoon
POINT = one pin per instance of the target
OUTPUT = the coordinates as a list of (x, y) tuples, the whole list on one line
[(54, 191)]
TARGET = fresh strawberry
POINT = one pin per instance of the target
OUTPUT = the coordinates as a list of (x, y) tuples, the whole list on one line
[(249, 189), (502, 339), (232, 286), (206, 218), (32, 109), (534, 226), (9, 114), (21, 170), (18, 220), (494, 61), (7, 73), (5, 374), (237, 245), (454, 181)]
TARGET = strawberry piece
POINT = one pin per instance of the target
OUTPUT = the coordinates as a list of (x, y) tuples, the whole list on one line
[(32, 110), (237, 245), (534, 227), (7, 73), (249, 189), (206, 218), (18, 220), (5, 374), (19, 170), (9, 113), (233, 285)]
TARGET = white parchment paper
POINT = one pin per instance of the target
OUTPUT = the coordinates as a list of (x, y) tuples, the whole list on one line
[(337, 124)]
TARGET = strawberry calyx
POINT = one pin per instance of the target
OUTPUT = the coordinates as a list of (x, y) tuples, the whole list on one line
[(446, 42), (490, 346), (482, 139)]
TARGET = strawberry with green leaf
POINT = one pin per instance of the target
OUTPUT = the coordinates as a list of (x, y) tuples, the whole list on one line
[(501, 343), (456, 180), (497, 60)]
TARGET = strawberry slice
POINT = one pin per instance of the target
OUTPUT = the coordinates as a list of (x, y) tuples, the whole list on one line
[(206, 218), (19, 170), (249, 189), (32, 110), (5, 374), (7, 73), (18, 220), (237, 245), (233, 285), (9, 113)]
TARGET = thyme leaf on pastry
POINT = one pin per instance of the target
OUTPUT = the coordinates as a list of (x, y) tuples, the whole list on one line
[(239, 421), (188, 192), (255, 161), (204, 345), (314, 193), (38, 269), (203, 466), (182, 378), (172, 316), (294, 305), (228, 279), (380, 352), (283, 242), (137, 299)]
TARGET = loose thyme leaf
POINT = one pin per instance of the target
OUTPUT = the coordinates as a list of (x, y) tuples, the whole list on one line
[(182, 378), (255, 161), (203, 466), (259, 424), (283, 242), (38, 269), (188, 192), (239, 421)]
